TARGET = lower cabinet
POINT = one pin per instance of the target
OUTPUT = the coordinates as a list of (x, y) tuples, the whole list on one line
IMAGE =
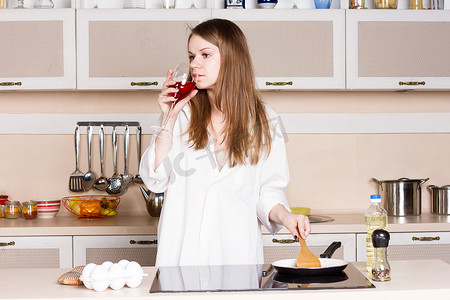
[(33, 252), (98, 249), (409, 246), (276, 248)]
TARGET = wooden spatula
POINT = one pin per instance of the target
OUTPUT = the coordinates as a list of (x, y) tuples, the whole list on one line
[(307, 259)]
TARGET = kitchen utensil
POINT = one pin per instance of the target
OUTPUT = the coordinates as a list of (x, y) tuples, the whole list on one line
[(153, 202), (137, 178), (307, 259), (91, 207), (329, 266), (440, 197), (319, 219), (115, 181), (76, 178), (401, 197), (89, 177), (126, 178), (102, 182)]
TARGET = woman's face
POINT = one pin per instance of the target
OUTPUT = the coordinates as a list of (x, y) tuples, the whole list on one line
[(205, 62)]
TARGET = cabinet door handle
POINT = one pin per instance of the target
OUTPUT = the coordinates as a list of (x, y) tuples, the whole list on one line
[(279, 83), (7, 244), (10, 83), (133, 242), (411, 83), (145, 83), (426, 238)]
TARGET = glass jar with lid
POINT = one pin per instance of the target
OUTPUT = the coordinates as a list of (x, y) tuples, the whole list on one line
[(3, 199), (12, 209), (29, 210)]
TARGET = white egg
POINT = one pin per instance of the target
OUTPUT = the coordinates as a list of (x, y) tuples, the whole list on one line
[(86, 275), (107, 264), (100, 285), (123, 263), (133, 273), (99, 273), (116, 275), (99, 277), (134, 281)]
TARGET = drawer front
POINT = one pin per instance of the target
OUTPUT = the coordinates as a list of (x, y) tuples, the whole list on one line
[(317, 243), (410, 246), (98, 249), (35, 252)]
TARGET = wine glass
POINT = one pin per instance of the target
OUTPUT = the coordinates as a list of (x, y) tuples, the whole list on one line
[(185, 83)]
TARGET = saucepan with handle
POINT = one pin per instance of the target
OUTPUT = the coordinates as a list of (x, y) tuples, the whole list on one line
[(329, 266)]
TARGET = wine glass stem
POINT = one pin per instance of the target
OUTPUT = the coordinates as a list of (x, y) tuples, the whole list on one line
[(168, 115)]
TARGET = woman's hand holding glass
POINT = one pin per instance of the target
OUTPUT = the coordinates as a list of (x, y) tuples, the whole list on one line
[(177, 90)]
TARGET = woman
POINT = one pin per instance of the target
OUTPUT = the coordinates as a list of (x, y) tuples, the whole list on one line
[(223, 166)]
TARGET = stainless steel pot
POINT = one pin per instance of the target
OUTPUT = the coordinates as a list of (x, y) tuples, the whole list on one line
[(440, 197), (401, 197)]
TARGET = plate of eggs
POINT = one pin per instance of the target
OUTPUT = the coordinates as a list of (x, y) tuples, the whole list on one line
[(112, 275)]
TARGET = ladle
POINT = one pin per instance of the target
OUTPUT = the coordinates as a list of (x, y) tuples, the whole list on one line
[(137, 178), (89, 177), (102, 182), (115, 182), (307, 259), (127, 178)]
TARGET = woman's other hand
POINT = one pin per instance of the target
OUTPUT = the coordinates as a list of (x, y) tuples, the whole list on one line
[(298, 225)]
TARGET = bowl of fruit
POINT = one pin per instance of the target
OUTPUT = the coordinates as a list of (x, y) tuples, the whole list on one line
[(92, 207)]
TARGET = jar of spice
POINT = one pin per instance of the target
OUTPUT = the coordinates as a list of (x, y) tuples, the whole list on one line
[(29, 210), (12, 209), (3, 199)]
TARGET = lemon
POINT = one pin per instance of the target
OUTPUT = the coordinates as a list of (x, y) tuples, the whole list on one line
[(301, 210)]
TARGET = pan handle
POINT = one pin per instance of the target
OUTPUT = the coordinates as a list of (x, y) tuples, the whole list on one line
[(330, 250)]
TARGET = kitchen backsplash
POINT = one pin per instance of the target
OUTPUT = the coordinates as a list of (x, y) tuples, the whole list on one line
[(330, 172)]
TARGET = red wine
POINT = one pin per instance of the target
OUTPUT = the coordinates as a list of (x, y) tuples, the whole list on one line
[(183, 89)]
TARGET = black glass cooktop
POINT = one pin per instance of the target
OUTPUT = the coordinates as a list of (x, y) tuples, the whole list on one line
[(250, 278)]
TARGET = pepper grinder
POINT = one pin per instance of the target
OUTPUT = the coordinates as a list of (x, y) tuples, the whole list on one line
[(381, 270)]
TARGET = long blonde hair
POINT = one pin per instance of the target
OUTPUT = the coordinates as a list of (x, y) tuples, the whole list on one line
[(246, 131)]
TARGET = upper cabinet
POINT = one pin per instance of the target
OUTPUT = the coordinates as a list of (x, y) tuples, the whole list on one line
[(38, 49), (131, 49), (294, 49), (398, 49)]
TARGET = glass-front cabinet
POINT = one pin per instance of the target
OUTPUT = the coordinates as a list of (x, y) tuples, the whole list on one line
[(294, 49), (398, 49), (131, 49), (37, 49)]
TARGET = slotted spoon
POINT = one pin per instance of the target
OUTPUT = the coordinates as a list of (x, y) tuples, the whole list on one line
[(76, 178), (307, 259)]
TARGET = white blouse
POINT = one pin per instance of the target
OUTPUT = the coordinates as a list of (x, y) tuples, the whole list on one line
[(213, 217)]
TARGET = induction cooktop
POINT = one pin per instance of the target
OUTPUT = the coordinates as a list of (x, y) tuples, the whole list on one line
[(249, 278)]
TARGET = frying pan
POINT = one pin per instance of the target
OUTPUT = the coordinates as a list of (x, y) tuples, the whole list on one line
[(329, 266)]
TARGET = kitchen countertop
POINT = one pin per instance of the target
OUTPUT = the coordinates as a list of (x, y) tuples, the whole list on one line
[(413, 279), (140, 224)]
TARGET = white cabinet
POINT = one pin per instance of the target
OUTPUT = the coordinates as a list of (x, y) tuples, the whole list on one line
[(398, 49), (317, 243), (36, 252), (409, 246), (98, 249), (37, 49), (131, 49), (294, 49)]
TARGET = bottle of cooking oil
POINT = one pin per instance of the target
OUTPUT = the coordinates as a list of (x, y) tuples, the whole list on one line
[(376, 218)]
